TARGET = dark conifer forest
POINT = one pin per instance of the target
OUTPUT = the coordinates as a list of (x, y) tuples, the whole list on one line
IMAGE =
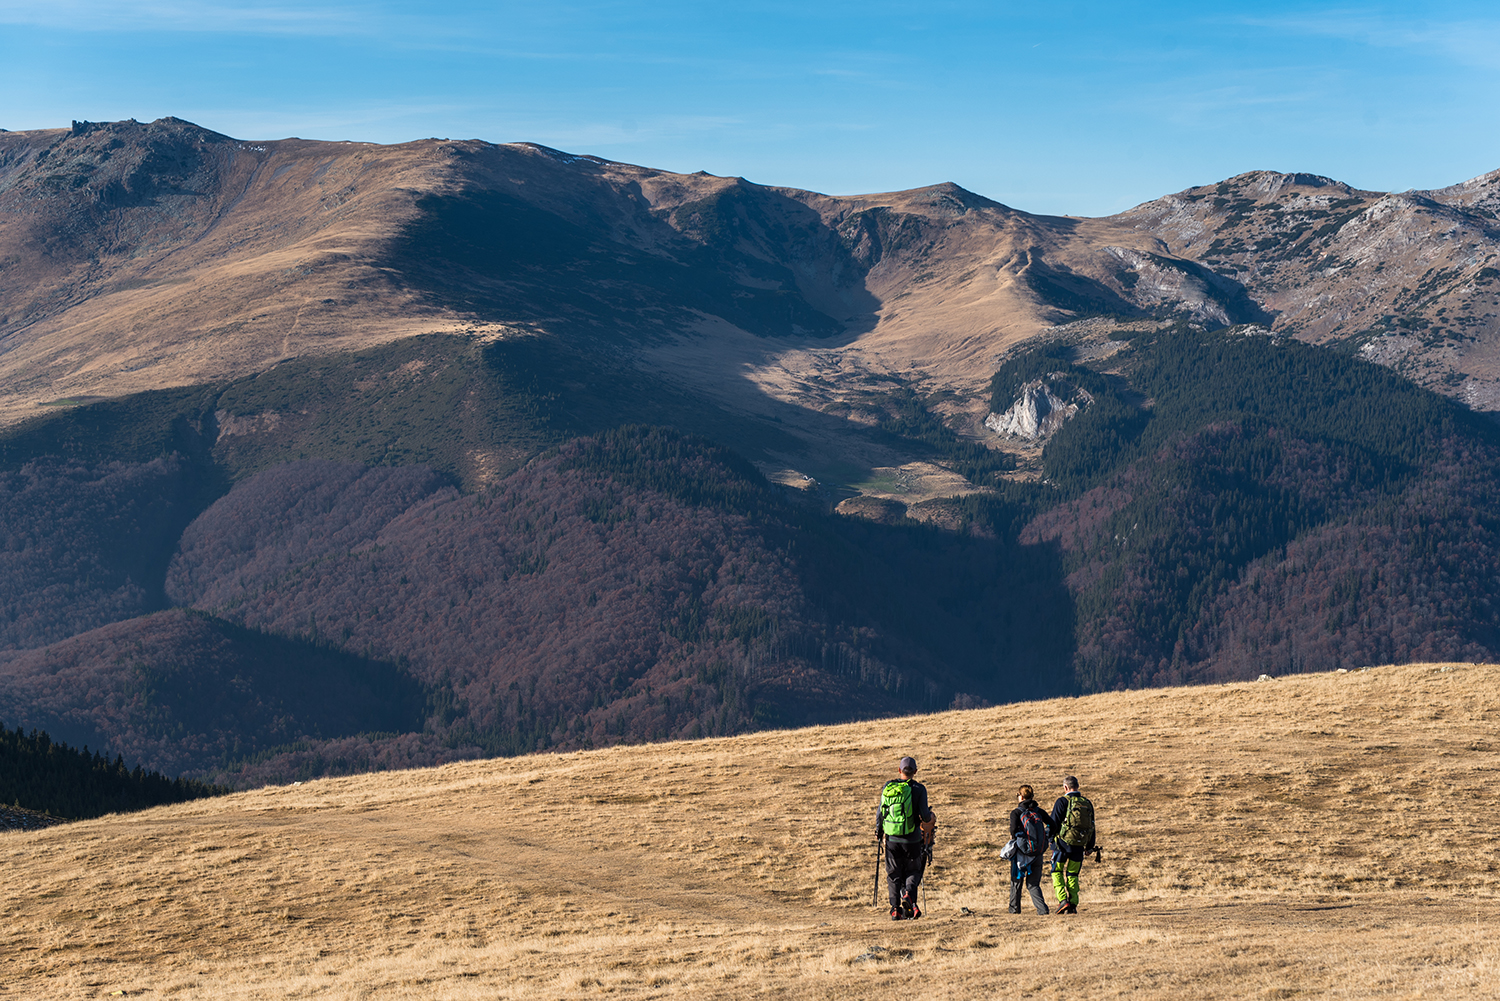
[(40, 774), (444, 549), (1274, 508)]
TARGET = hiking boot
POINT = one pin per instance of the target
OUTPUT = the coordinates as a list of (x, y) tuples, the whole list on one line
[(897, 914), (913, 911)]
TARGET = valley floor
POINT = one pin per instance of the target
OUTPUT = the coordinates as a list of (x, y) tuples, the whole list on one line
[(1326, 835)]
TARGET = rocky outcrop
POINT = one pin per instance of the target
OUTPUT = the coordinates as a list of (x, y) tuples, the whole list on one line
[(880, 510), (1042, 407), (1412, 277)]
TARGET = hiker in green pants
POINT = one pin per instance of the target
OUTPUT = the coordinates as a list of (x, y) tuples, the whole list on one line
[(1073, 820)]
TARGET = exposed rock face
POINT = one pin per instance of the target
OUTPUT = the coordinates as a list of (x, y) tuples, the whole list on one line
[(1414, 277), (1039, 411), (1160, 284)]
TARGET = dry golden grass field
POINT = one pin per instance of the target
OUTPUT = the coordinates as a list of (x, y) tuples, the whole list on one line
[(1322, 836)]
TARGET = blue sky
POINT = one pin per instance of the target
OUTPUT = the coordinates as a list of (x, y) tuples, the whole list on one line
[(1083, 108)]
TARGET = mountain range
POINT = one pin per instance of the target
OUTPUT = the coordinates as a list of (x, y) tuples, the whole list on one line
[(139, 256), (323, 457)]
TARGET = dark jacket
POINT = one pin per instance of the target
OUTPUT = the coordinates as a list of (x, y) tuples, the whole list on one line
[(1015, 819), (1022, 861), (918, 805), (1059, 814)]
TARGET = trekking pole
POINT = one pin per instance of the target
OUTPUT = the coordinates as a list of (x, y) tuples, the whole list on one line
[(927, 864), (926, 872), (879, 858)]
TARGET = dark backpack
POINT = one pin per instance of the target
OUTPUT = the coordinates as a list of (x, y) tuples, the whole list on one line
[(1078, 825), (1032, 838), (898, 816)]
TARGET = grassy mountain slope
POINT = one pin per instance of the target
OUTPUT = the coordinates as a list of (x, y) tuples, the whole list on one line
[(1317, 835), (469, 408), (166, 255)]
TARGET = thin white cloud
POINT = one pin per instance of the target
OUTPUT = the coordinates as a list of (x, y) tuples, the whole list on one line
[(1474, 42), (124, 15), (1207, 103)]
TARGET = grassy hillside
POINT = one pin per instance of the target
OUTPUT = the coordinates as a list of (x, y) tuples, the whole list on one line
[(1324, 835), (491, 254)]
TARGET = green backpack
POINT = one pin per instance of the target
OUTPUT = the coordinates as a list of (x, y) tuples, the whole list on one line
[(1078, 826), (897, 814)]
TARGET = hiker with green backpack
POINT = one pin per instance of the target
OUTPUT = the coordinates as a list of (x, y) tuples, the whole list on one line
[(907, 825), (1073, 820)]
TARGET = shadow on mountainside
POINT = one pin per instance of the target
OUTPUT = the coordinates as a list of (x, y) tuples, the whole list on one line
[(730, 255)]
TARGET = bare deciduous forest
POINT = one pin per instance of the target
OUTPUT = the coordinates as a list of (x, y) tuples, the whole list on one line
[(1228, 505)]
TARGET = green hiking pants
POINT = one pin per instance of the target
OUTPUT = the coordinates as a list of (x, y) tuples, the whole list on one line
[(1065, 880)]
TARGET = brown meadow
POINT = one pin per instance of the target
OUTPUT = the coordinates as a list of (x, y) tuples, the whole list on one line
[(1323, 835)]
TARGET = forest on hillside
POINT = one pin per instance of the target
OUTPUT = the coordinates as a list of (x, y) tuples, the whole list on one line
[(181, 691), (634, 585), (40, 774), (258, 582), (1272, 508)]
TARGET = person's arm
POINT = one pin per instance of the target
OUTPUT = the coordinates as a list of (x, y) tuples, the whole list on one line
[(919, 803), (1015, 821), (926, 819)]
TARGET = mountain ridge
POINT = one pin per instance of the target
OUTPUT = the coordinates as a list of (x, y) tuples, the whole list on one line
[(194, 255), (679, 386)]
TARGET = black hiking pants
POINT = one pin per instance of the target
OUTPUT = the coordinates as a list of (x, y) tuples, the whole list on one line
[(903, 868)]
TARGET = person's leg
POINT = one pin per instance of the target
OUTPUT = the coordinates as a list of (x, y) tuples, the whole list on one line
[(1015, 886), (1073, 868), (1034, 884), (1060, 880), (915, 866), (894, 876)]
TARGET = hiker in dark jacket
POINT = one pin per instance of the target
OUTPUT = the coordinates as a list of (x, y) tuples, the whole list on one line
[(1073, 837), (908, 826), (1027, 869)]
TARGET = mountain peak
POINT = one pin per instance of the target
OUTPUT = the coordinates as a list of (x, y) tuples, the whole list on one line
[(169, 125), (953, 198)]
